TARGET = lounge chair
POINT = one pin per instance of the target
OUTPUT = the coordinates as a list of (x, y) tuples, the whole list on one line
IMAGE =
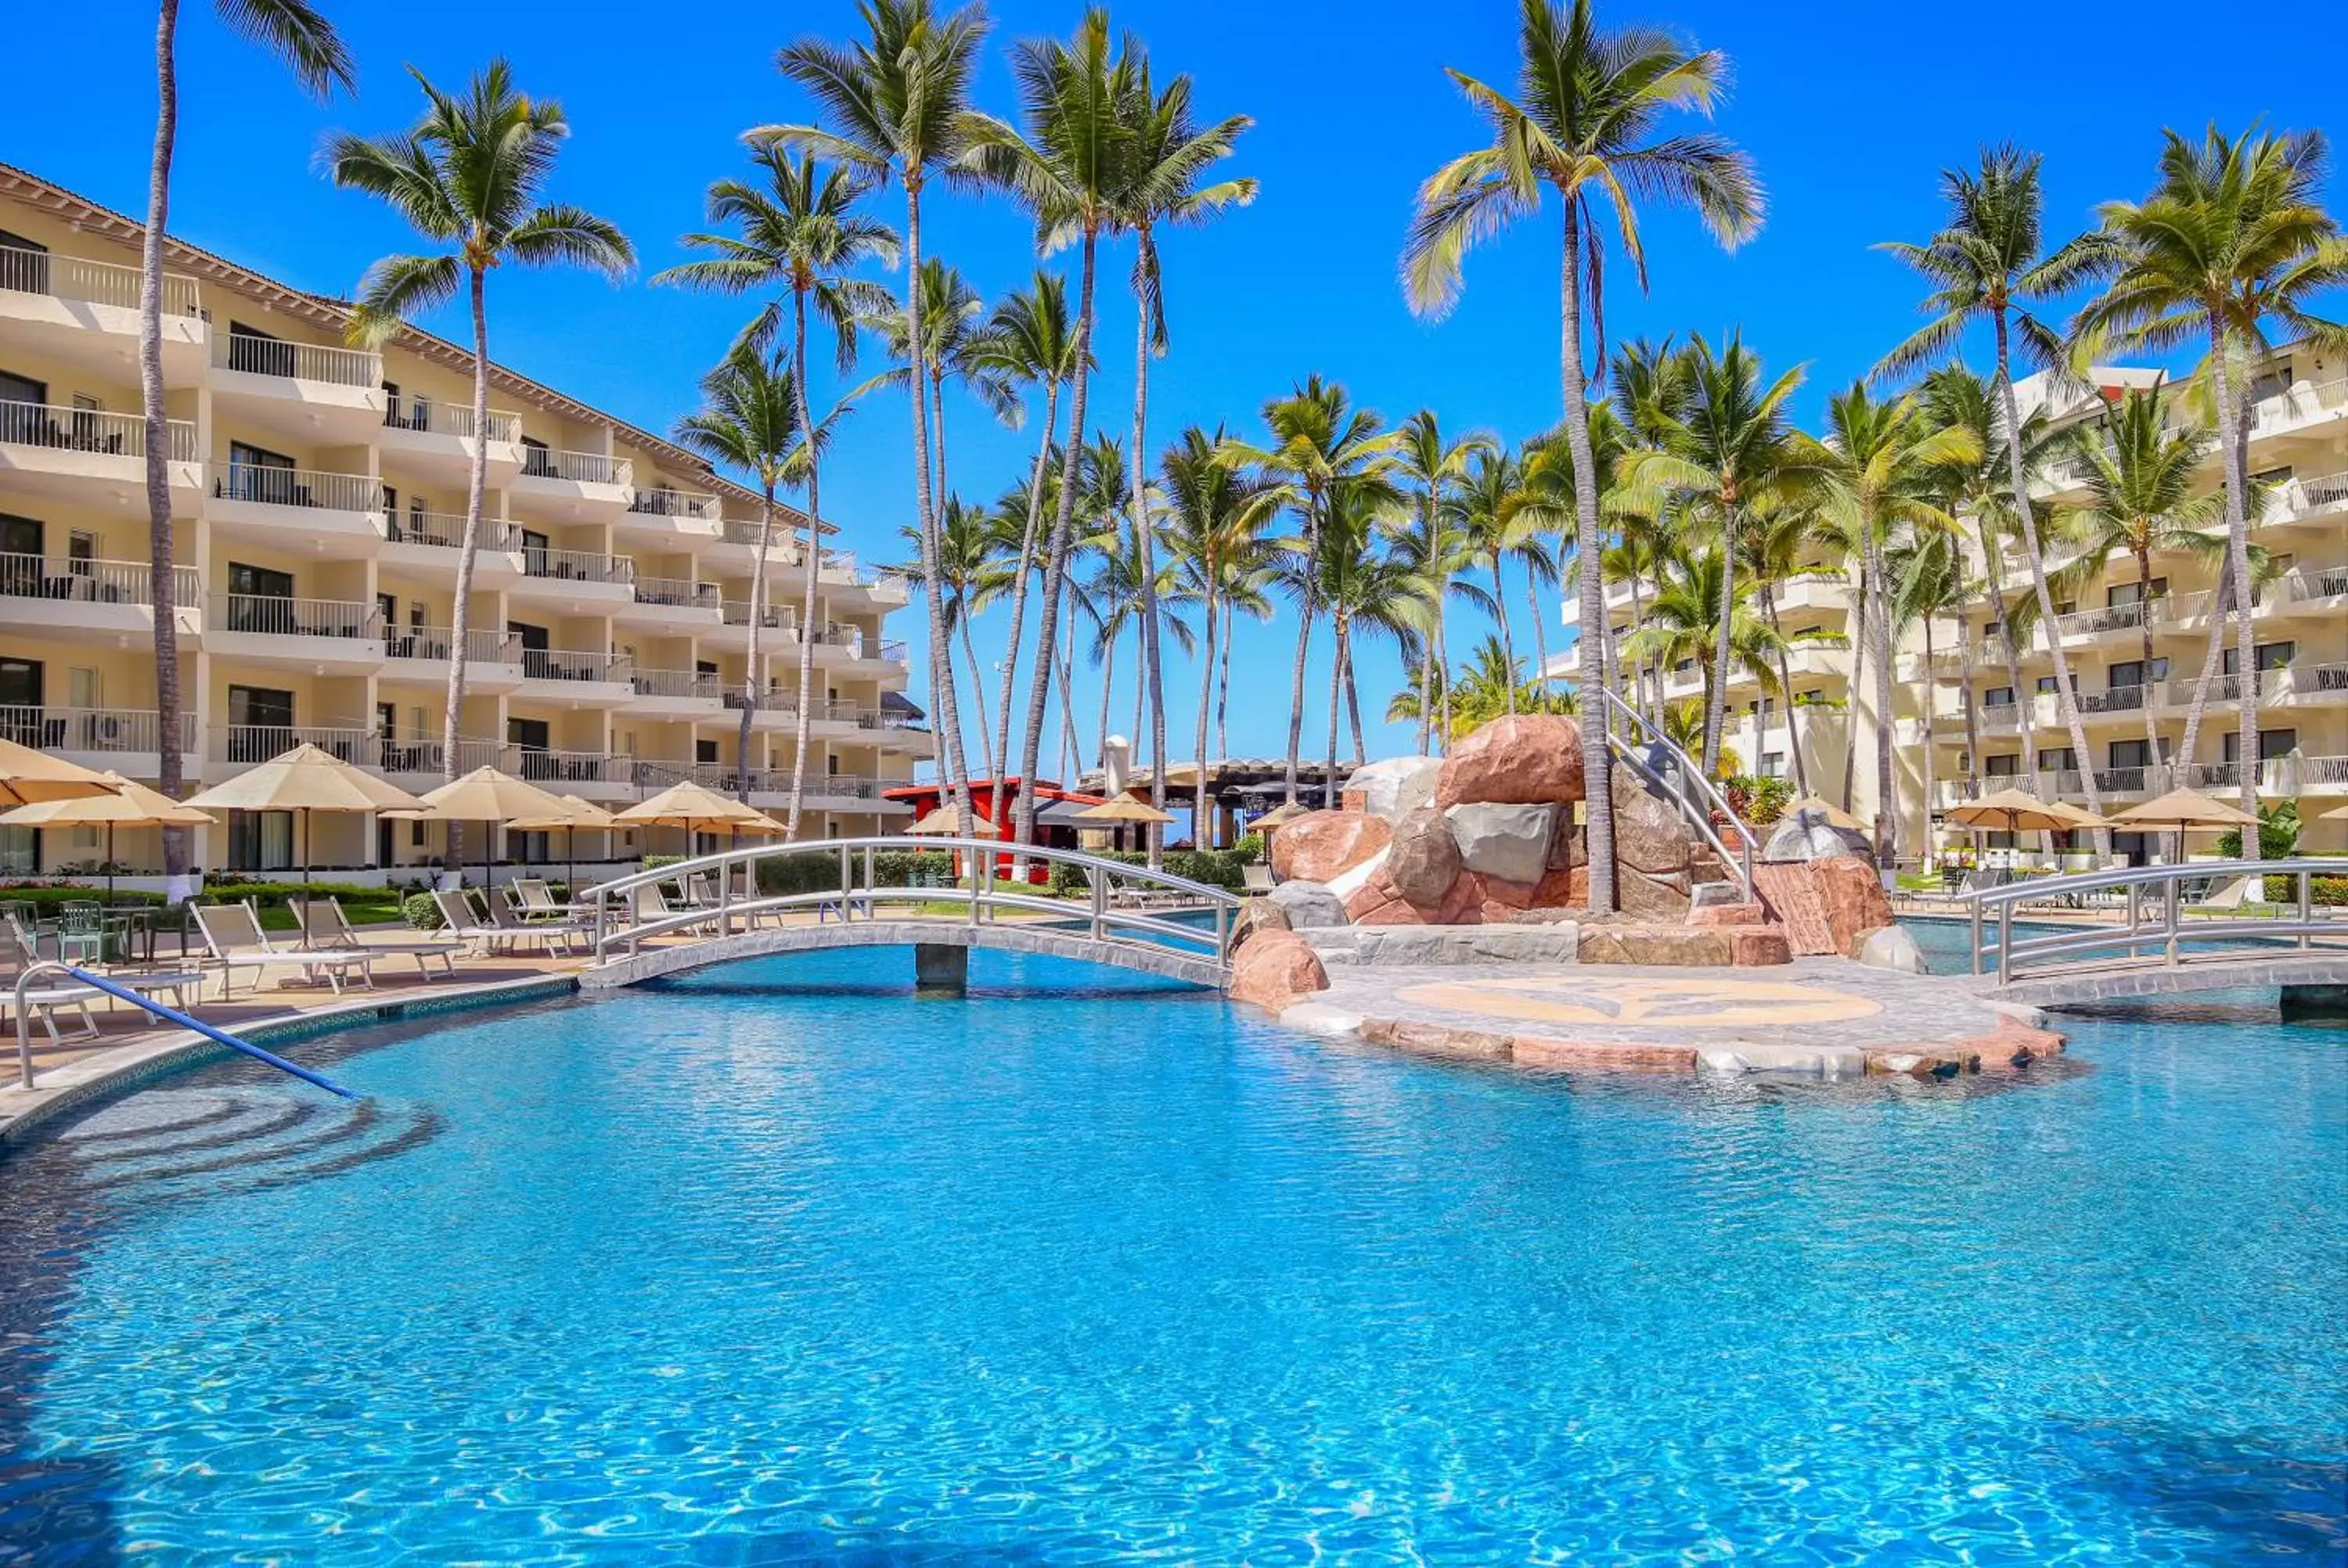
[(16, 955), (2226, 893), (1256, 878), (464, 922), (510, 925), (323, 924), (234, 937), (538, 902), (651, 903)]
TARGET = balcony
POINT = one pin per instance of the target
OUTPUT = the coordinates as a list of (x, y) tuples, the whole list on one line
[(577, 677), (297, 509), (243, 745), (588, 487), (309, 391), (672, 601), (332, 636), (437, 438), (574, 773), (420, 655), (1823, 592), (432, 544), (580, 581), (58, 451), (86, 312), (661, 516), (2277, 776), (2305, 500), (126, 740), (418, 765), (2303, 405), (678, 693), (74, 598)]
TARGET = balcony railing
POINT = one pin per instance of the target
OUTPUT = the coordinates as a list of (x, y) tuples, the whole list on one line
[(679, 683), (24, 271), (2108, 618), (576, 566), (572, 767), (446, 530), (678, 590), (108, 730), (895, 652), (2276, 775), (259, 742), (2299, 497), (297, 361), (483, 644), (578, 468), (84, 582), (727, 779), (782, 549), (89, 430), (2113, 699), (569, 664), (236, 481), (277, 617), (393, 755), (426, 417), (665, 503), (736, 613), (2303, 401)]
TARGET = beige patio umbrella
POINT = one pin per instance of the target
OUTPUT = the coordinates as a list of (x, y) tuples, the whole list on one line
[(1281, 815), (2012, 811), (1127, 807), (577, 814), (129, 804), (302, 781), (486, 795), (2181, 809), (1832, 815), (946, 822), (2337, 814), (689, 805), (27, 776)]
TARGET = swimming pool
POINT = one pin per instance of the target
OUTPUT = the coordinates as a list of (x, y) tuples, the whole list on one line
[(846, 1275)]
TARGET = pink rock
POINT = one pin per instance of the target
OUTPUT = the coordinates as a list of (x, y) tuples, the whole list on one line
[(1318, 845), (1523, 759), (1758, 945), (1850, 897), (1274, 968)]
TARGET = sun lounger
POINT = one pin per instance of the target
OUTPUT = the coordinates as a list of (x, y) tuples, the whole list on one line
[(1256, 876), (511, 926), (234, 940), (325, 925), (463, 922)]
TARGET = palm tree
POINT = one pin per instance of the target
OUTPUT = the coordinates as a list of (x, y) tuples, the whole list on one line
[(1581, 123), (1986, 262), (750, 421), (800, 235), (1216, 514), (957, 348), (1069, 170), (1782, 540), (1487, 516), (1685, 622), (1488, 686), (2232, 238), (1435, 468), (1319, 441), (2141, 503), (1029, 340), (901, 99), (1883, 460), (1929, 578), (1363, 589), (1168, 154), (307, 45), (972, 575), (1729, 454), (468, 176)]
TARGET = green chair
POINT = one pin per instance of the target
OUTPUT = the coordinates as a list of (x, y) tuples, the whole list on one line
[(81, 933)]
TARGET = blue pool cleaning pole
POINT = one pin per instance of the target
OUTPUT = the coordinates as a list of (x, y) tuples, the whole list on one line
[(148, 1004)]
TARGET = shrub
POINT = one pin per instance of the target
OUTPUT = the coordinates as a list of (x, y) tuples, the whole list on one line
[(274, 895), (2278, 833), (48, 896), (2332, 890), (420, 911), (1250, 849)]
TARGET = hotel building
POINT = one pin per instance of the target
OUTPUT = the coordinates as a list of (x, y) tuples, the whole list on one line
[(2299, 449), (318, 493)]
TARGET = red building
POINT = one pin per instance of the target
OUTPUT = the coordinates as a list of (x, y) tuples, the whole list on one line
[(997, 800)]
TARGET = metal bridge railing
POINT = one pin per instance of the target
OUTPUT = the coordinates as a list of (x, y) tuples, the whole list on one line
[(1686, 786), (2157, 916), (622, 921)]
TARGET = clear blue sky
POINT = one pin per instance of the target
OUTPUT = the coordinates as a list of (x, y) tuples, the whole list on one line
[(1849, 109)]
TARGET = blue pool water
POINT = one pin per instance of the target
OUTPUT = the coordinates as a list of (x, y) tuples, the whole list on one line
[(718, 1273)]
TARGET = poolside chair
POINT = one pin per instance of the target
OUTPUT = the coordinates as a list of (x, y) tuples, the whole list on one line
[(325, 925), (651, 903), (2224, 892), (463, 922), (234, 938), (538, 900), (1255, 876), (81, 932), (16, 955), (507, 919)]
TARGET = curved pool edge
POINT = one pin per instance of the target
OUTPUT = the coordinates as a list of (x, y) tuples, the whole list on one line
[(85, 1084)]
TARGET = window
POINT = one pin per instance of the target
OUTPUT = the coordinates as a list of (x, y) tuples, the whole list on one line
[(2133, 593), (391, 407), (260, 724), (2002, 767), (2131, 673), (1773, 765), (2273, 744), (261, 840), (704, 750), (531, 736), (257, 352), (2264, 656), (23, 542), (2058, 759), (2047, 684), (21, 719), (537, 458), (1998, 697), (259, 599), (24, 264), (257, 474), (2130, 755)]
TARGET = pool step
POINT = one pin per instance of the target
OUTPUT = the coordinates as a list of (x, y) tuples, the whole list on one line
[(189, 1143)]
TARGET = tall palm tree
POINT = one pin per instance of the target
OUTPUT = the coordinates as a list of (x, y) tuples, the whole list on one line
[(1169, 156), (1929, 578), (1478, 691), (469, 175), (802, 234), (2140, 481), (1494, 534), (1686, 622), (1029, 341), (1068, 168), (750, 421), (900, 101), (972, 574), (2233, 237), (1782, 540), (1987, 261), (1319, 441), (306, 44), (1582, 123), (955, 348), (1362, 589), (1882, 461), (1216, 515), (1434, 470)]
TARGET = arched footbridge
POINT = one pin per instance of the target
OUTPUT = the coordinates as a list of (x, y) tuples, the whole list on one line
[(1124, 921), (2165, 930)]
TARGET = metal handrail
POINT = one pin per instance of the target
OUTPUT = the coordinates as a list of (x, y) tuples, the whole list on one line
[(861, 893), (153, 1009), (2162, 925), (1740, 864)]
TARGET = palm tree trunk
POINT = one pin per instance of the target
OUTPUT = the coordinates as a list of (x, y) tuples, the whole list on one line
[(1223, 692), (1108, 689), (938, 434), (1965, 695), (1639, 669), (1027, 570), (2144, 682), (947, 716), (461, 616), (1306, 609), (1056, 556), (2238, 556), (810, 560), (1716, 698), (978, 692), (753, 684), (2210, 656), (1353, 703), (1596, 767), (1877, 630), (1153, 679), (164, 585), (1201, 836), (1067, 683), (1785, 687), (1336, 688), (2065, 701), (1443, 672), (1540, 641), (1850, 706), (1508, 638), (1929, 691)]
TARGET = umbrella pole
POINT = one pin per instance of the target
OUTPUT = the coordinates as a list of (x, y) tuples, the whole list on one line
[(109, 863)]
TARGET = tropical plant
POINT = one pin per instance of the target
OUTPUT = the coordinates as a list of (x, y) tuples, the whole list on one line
[(1684, 624), (1486, 687), (2233, 237), (469, 175), (972, 573), (1435, 468), (1216, 515), (954, 348), (306, 44), (1581, 123), (800, 235)]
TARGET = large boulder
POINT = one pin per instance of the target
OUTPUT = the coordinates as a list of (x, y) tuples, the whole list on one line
[(1891, 948), (1850, 896), (1256, 917), (1318, 845), (1650, 833), (1275, 969), (1394, 787), (1510, 842), (1652, 894), (1309, 905), (1523, 759), (1424, 861), (1379, 903), (1807, 839)]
